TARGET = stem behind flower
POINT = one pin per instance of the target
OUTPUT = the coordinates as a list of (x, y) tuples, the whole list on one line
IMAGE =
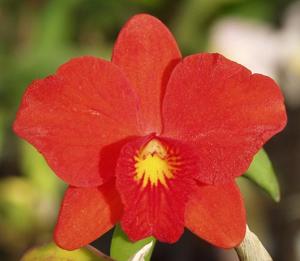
[(251, 249)]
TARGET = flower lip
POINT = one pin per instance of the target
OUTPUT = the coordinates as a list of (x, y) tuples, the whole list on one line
[(154, 176)]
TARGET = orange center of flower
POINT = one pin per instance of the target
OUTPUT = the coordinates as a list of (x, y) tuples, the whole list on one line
[(154, 164)]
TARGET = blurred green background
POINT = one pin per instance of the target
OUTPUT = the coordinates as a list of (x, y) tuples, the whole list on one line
[(37, 36)]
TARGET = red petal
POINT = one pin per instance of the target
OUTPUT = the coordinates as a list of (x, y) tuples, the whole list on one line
[(147, 53), (72, 116), (86, 214), (217, 214), (227, 113), (154, 210)]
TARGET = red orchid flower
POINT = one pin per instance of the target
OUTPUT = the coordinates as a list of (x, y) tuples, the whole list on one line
[(150, 140)]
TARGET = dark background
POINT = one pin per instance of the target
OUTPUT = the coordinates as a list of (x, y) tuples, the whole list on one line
[(37, 36)]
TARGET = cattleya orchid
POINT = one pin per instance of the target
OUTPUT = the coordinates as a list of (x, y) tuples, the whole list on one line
[(150, 140)]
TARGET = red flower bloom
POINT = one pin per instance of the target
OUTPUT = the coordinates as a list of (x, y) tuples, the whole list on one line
[(149, 139)]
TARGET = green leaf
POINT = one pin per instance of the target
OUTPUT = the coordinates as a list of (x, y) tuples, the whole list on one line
[(53, 252), (262, 173), (122, 249)]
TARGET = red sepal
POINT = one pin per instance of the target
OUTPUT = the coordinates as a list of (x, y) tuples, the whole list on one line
[(147, 53), (71, 116), (216, 214), (224, 111), (86, 214)]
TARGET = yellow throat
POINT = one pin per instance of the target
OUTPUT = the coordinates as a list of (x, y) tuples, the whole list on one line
[(152, 164)]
